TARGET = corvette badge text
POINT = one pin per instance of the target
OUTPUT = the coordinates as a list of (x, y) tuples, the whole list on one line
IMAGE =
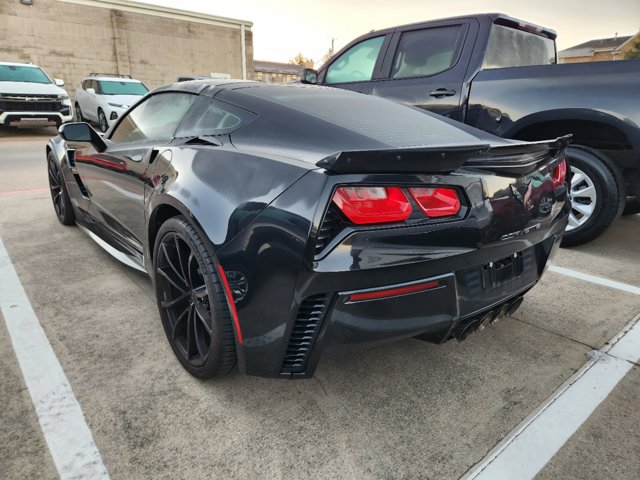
[(520, 233)]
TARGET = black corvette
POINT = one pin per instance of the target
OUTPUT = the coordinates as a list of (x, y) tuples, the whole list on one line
[(279, 221)]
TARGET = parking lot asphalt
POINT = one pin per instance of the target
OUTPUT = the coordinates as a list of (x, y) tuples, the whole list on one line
[(406, 410)]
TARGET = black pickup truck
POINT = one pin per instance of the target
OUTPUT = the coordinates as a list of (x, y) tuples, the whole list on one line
[(499, 74)]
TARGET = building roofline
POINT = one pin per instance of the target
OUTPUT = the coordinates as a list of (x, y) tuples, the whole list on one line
[(632, 37), (166, 12)]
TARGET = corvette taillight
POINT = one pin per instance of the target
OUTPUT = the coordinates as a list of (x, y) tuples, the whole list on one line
[(560, 174), (365, 205), (436, 202)]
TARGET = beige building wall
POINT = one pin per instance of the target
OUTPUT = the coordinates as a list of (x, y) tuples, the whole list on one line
[(72, 38)]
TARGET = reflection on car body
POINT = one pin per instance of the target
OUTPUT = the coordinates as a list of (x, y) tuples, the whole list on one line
[(278, 222)]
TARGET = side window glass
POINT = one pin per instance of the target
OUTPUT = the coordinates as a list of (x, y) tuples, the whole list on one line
[(211, 117), (84, 84), (157, 118), (426, 52), (357, 63)]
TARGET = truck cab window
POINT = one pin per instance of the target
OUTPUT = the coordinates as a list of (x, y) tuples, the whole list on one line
[(509, 47), (427, 52)]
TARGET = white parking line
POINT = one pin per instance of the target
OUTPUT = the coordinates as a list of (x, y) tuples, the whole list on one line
[(595, 279), (63, 425), (530, 446)]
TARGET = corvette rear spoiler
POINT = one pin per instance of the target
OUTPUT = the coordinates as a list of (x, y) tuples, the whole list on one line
[(516, 158)]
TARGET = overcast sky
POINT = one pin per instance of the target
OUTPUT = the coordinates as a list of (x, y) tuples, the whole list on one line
[(282, 28)]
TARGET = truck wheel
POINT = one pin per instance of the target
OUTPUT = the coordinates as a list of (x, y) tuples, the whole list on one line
[(596, 197)]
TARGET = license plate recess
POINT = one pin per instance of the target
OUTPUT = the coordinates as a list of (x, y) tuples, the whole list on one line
[(501, 271)]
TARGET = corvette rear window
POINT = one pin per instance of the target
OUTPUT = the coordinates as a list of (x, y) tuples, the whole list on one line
[(384, 120)]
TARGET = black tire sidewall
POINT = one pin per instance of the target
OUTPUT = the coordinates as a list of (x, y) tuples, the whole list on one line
[(608, 196), (222, 357), (69, 216), (106, 124)]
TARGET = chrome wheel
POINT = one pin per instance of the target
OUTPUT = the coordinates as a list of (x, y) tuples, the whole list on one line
[(183, 295), (583, 198)]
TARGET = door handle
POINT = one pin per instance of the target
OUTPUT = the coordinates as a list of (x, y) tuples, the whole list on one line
[(442, 92)]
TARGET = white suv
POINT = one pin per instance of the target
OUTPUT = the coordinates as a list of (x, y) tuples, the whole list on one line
[(30, 98), (104, 98)]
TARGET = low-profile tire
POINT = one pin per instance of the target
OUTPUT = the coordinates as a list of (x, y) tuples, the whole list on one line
[(59, 195), (79, 116), (596, 196), (192, 302), (102, 121)]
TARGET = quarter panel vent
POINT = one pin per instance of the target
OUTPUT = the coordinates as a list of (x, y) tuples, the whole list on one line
[(304, 333)]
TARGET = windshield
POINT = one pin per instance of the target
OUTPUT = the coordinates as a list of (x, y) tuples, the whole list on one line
[(18, 73), (509, 47), (122, 88)]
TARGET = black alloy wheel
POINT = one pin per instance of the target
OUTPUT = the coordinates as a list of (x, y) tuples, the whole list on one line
[(59, 196), (102, 121), (193, 307), (79, 116)]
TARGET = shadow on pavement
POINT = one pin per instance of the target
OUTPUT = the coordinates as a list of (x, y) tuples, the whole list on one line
[(14, 133)]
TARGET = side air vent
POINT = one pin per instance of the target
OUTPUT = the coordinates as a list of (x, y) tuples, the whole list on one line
[(331, 226), (304, 333), (71, 161)]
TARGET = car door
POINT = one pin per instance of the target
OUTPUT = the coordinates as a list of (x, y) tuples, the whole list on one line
[(116, 178), (357, 67), (89, 105), (81, 94), (426, 67)]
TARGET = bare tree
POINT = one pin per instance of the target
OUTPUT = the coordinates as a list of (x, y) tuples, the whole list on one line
[(301, 60)]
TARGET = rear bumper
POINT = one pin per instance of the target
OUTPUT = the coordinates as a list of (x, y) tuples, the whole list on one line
[(34, 119), (330, 320), (460, 300), (296, 308)]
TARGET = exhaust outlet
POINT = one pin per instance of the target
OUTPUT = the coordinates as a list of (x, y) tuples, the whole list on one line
[(501, 313), (488, 318), (515, 305)]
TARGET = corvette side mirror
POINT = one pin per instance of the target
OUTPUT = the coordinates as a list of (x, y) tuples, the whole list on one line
[(309, 76), (82, 132)]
